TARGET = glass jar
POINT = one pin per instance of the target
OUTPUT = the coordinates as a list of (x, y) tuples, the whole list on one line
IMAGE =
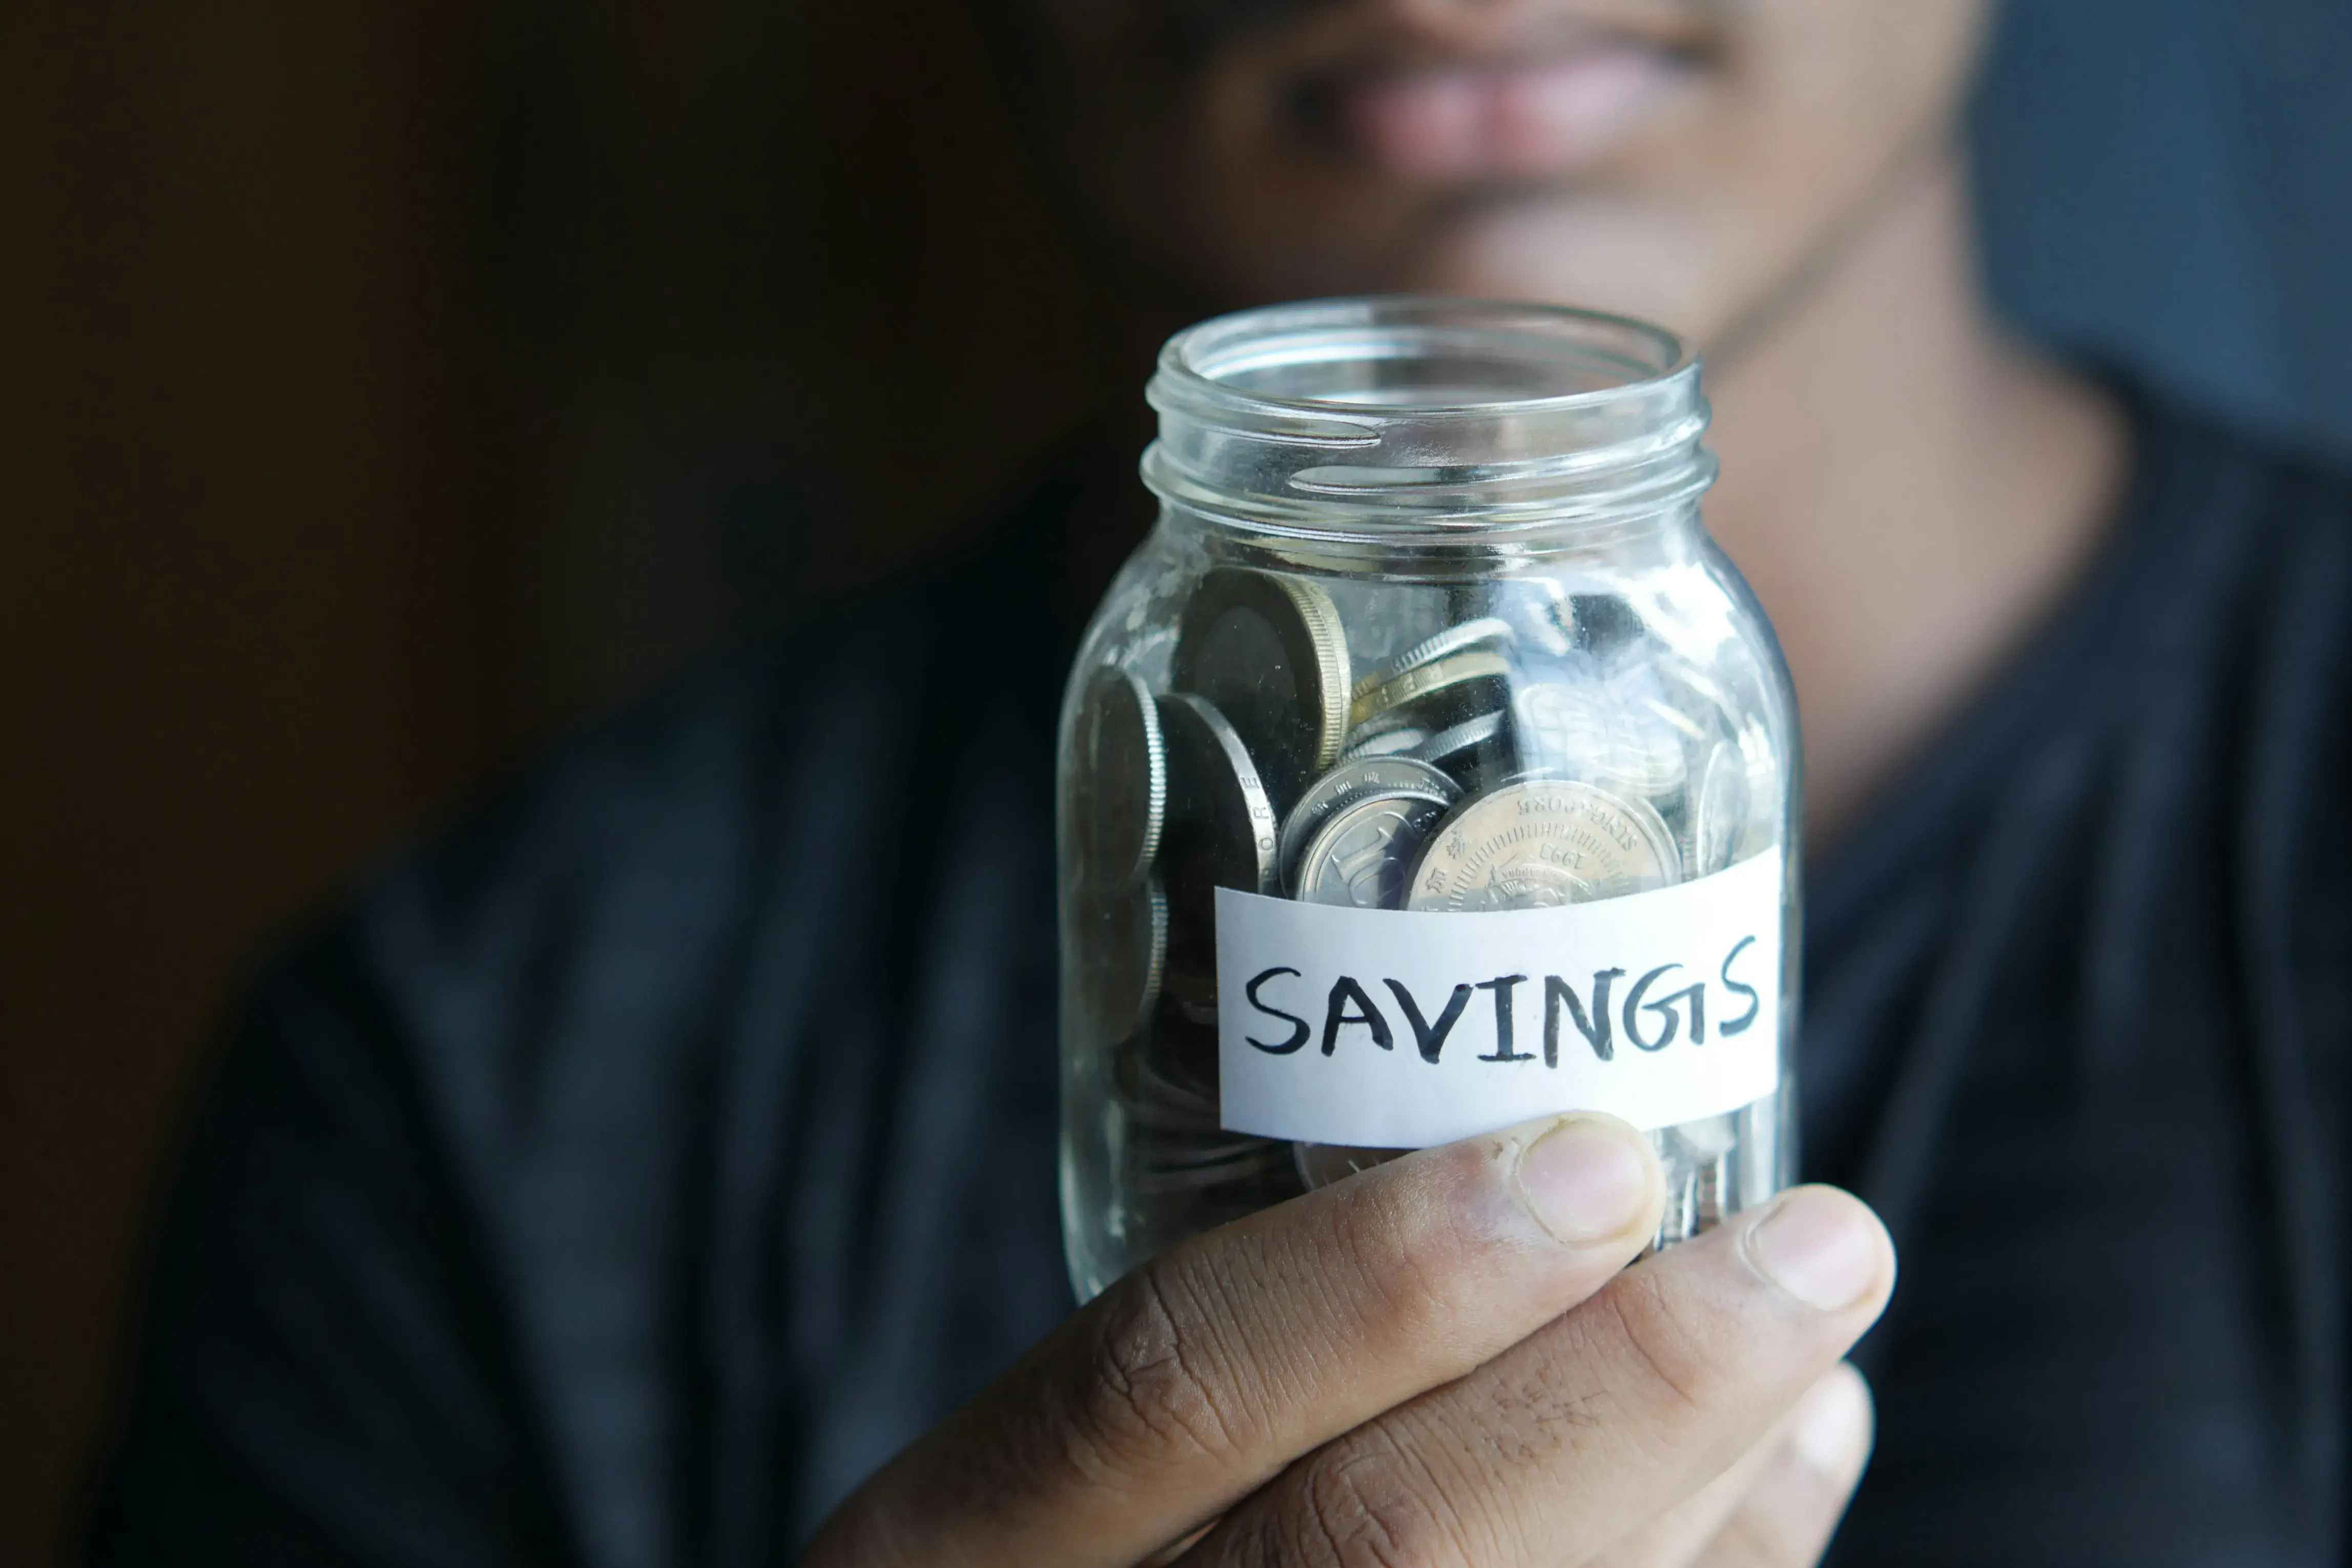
[(1427, 769)]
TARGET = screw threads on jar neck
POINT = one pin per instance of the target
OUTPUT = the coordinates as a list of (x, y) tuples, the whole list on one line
[(1389, 420)]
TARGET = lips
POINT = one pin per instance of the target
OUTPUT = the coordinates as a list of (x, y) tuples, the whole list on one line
[(1512, 119)]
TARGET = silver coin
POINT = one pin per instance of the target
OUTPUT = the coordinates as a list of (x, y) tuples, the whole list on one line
[(1542, 843), (1429, 650), (1128, 945), (1764, 799), (1647, 756), (1121, 794), (1697, 693), (1362, 857), (1268, 651), (1220, 833), (1154, 1181), (1188, 1152), (1479, 675), (1539, 611), (1150, 1100), (1708, 1196), (1562, 721), (1352, 780), (1180, 1054), (1218, 814), (1390, 742), (1590, 731), (1718, 812), (1450, 747), (1320, 1164)]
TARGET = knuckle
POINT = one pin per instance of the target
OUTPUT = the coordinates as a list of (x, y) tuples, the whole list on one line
[(1665, 1349), (1147, 1397), (1402, 1285), (1369, 1507)]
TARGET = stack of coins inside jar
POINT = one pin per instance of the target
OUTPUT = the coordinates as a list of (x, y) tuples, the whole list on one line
[(1424, 746)]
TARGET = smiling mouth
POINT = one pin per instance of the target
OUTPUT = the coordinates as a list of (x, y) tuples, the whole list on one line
[(1507, 120)]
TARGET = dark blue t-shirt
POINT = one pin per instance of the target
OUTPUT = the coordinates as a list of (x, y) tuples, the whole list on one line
[(627, 1175)]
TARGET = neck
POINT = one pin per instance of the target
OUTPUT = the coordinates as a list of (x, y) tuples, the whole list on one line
[(1907, 491)]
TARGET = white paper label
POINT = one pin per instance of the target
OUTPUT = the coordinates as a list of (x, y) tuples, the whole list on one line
[(1397, 1029)]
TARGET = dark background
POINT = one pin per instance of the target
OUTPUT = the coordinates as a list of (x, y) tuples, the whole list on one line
[(390, 386)]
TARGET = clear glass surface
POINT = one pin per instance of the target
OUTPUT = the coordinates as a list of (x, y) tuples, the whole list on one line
[(1460, 543)]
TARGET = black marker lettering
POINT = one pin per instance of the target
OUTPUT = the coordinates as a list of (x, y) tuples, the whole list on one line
[(1694, 994), (1430, 1037), (1299, 1029), (1594, 1029), (1345, 990), (1755, 1004), (1501, 987)]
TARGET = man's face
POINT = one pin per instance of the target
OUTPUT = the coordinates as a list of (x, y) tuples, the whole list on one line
[(1674, 158)]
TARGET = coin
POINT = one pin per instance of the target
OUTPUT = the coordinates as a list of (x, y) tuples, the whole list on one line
[(1151, 1181), (1268, 649), (1218, 814), (1362, 857), (1763, 791), (1540, 844), (1352, 781), (1471, 673), (1538, 610), (1392, 743), (1586, 729), (1464, 745), (1179, 1049), (1452, 641), (1691, 688), (1718, 812), (1152, 1100), (1646, 752), (1220, 833), (1130, 947), (1121, 786), (1604, 621)]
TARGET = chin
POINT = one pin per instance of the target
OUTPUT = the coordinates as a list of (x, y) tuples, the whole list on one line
[(1596, 253)]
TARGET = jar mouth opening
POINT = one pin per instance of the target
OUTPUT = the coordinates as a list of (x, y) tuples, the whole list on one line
[(1422, 356), (1360, 417)]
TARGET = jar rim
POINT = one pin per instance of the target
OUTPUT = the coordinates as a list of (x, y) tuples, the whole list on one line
[(1211, 356), (1378, 415)]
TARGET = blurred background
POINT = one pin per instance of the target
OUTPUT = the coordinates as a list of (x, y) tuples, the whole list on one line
[(389, 387)]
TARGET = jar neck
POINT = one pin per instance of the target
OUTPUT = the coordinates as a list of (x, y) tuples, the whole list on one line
[(1428, 427), (1667, 536)]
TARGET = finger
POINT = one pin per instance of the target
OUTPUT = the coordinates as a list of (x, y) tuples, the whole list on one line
[(1787, 1516), (1828, 1433), (1596, 1424), (1194, 1380)]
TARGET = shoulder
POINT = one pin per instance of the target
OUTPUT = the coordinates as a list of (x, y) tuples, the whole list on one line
[(616, 878), (484, 1134)]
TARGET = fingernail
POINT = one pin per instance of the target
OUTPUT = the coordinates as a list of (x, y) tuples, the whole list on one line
[(1819, 1246), (1587, 1178), (1831, 1429)]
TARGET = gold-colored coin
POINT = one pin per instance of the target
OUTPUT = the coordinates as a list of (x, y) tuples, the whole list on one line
[(1429, 650), (1429, 680), (1269, 652)]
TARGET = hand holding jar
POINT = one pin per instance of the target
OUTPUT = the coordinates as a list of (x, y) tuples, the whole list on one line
[(1429, 932), (1444, 1361)]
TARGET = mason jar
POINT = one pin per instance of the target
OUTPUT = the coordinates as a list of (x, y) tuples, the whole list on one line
[(1427, 769)]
